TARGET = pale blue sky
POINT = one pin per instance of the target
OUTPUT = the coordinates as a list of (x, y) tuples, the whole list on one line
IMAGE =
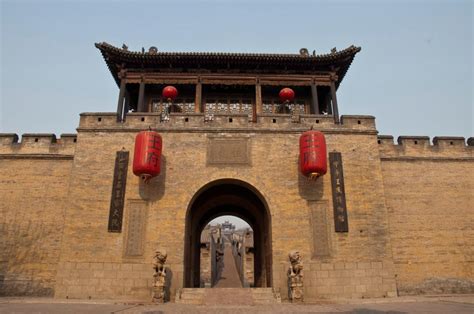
[(414, 73)]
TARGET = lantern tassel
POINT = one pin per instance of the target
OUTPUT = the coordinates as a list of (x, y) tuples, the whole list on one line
[(146, 178)]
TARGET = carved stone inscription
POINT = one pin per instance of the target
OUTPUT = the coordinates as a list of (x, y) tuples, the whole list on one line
[(338, 193), (118, 192), (228, 151), (320, 228), (137, 212)]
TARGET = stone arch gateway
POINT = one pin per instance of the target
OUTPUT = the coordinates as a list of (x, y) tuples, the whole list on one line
[(228, 197)]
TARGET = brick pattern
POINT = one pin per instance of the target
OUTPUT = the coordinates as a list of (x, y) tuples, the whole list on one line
[(349, 280), (84, 280), (33, 195), (431, 217)]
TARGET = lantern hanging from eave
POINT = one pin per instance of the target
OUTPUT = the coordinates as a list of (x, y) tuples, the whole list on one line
[(147, 155), (313, 162), (286, 95), (169, 93)]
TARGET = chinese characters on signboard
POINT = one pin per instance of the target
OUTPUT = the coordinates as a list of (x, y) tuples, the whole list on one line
[(118, 192), (338, 194)]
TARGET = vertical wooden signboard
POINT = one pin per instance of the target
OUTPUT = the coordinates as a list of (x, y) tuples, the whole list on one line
[(338, 193), (118, 192)]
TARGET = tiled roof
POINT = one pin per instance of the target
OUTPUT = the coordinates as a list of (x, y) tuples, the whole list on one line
[(340, 60)]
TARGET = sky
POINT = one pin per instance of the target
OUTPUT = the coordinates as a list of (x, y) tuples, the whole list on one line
[(414, 73)]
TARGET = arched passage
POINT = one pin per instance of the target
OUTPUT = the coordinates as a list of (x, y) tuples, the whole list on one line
[(228, 197)]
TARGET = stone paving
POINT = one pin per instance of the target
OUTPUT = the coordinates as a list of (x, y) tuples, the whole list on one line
[(433, 304), (230, 276)]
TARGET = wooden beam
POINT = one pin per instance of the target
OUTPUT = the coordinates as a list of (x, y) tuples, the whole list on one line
[(121, 100), (314, 99), (198, 98), (141, 96), (335, 110)]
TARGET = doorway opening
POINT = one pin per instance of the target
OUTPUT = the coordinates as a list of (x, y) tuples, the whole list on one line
[(227, 254), (239, 199)]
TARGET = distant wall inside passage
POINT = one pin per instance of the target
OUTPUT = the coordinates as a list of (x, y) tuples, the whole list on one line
[(429, 197)]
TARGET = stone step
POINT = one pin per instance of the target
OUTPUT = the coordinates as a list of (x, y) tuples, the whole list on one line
[(227, 296)]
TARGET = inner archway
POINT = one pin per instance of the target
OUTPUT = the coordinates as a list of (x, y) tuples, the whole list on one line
[(227, 254), (235, 198)]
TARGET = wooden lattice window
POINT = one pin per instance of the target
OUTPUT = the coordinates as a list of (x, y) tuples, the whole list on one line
[(184, 105), (298, 106), (229, 106)]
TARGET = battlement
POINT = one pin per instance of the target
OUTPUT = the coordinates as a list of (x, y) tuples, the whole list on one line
[(443, 147), (198, 122), (37, 145)]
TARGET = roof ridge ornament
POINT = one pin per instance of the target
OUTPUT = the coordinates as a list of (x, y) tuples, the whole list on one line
[(153, 50), (304, 52)]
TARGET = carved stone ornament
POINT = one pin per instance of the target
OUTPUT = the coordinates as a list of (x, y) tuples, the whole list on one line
[(295, 277), (159, 286)]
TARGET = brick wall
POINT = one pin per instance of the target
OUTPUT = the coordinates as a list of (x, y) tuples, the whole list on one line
[(34, 176), (429, 195), (69, 184)]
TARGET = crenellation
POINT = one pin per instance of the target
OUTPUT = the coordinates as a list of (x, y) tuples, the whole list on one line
[(67, 139), (37, 145), (317, 121), (410, 142), (419, 147), (358, 122), (449, 141), (38, 139), (7, 139)]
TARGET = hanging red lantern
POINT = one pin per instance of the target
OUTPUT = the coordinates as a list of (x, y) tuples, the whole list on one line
[(170, 93), (313, 162), (286, 94), (147, 155)]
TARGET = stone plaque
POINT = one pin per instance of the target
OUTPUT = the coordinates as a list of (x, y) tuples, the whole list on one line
[(338, 193), (321, 247), (137, 213), (228, 151), (118, 192)]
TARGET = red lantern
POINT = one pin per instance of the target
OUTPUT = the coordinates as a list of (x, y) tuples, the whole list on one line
[(170, 93), (313, 154), (147, 156), (286, 94)]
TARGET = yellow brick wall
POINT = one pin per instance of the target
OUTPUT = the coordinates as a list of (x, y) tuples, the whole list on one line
[(67, 250), (273, 172), (429, 191), (34, 180)]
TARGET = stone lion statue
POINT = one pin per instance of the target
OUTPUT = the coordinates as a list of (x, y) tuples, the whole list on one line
[(295, 277), (159, 276)]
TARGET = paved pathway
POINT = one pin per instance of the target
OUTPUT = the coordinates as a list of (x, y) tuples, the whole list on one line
[(230, 276), (437, 305)]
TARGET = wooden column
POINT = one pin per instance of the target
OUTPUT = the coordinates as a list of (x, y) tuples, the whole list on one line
[(141, 96), (126, 107), (258, 101), (315, 101), (198, 98), (335, 110), (121, 100)]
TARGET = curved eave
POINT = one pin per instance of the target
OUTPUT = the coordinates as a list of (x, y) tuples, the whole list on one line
[(114, 56)]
